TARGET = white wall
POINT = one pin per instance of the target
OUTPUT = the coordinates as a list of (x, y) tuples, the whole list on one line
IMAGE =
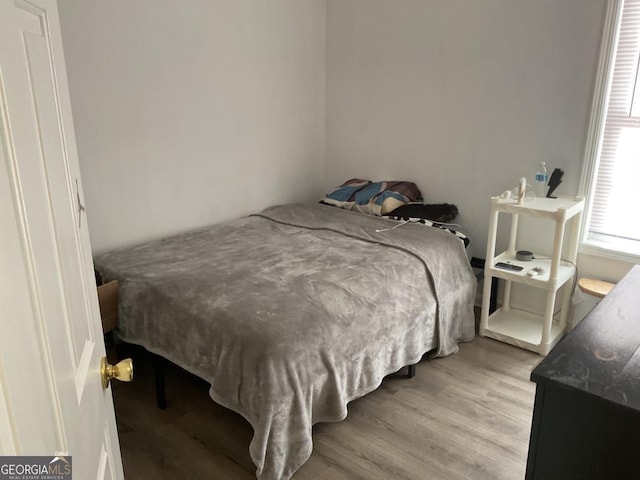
[(190, 113), (193, 112), (462, 96)]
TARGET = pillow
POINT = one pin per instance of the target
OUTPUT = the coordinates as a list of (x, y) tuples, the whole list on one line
[(438, 212), (377, 198)]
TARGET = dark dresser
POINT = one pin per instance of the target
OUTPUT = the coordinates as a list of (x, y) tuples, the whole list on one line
[(586, 418)]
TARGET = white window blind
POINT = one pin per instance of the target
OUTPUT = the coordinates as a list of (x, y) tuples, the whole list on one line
[(614, 216)]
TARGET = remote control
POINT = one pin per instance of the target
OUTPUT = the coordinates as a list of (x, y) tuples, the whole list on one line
[(509, 266)]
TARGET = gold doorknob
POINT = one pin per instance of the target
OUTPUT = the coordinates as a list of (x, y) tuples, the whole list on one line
[(122, 371)]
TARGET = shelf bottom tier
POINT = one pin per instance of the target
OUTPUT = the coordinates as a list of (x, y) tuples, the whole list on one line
[(522, 329)]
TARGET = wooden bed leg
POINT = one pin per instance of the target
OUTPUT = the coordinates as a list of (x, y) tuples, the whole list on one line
[(411, 371), (161, 394)]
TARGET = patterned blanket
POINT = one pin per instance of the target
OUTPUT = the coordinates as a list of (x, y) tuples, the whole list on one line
[(376, 198)]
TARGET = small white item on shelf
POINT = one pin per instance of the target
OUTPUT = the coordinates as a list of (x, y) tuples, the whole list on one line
[(506, 194), (535, 271), (522, 190)]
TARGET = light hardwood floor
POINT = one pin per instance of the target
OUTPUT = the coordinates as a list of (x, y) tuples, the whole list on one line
[(466, 416)]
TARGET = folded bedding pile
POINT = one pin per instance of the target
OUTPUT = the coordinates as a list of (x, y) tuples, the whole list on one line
[(376, 198)]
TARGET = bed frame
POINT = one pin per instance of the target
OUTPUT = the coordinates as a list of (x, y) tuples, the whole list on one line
[(159, 367)]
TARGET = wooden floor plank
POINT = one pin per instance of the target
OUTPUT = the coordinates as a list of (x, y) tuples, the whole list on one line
[(466, 417)]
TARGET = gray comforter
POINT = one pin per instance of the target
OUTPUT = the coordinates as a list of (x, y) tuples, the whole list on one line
[(292, 313)]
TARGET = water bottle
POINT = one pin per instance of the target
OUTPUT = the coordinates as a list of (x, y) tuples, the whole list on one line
[(541, 181)]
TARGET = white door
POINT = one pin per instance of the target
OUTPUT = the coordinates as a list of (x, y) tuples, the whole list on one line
[(51, 343)]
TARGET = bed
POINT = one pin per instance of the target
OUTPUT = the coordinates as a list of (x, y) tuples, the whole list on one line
[(292, 313)]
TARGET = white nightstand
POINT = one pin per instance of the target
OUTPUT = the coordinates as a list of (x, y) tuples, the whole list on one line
[(538, 333)]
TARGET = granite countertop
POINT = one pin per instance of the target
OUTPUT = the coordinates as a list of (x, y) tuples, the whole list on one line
[(601, 356)]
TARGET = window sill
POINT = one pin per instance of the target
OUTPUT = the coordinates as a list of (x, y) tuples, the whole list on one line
[(624, 250)]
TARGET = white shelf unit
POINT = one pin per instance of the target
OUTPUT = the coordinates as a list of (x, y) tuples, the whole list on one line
[(538, 333)]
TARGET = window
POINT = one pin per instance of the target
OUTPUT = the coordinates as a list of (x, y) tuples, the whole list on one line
[(611, 179)]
